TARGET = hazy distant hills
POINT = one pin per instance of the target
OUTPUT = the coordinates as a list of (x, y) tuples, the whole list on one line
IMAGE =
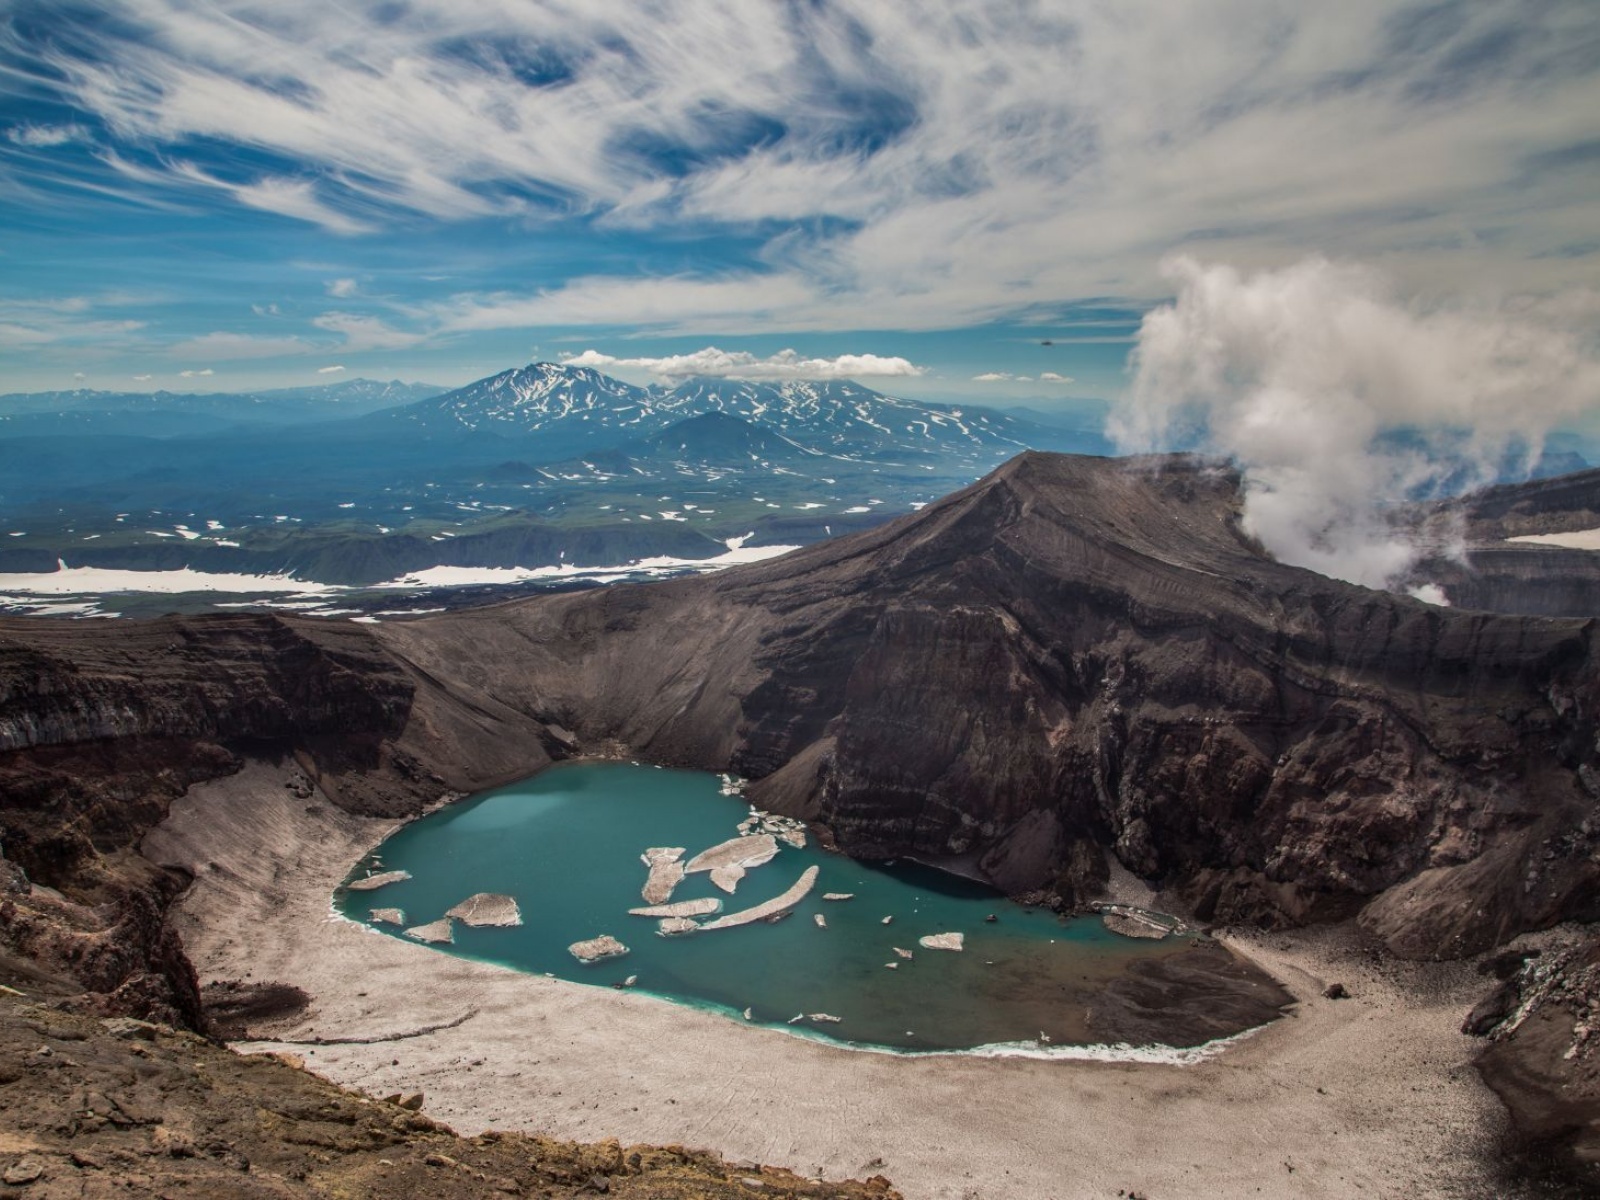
[(84, 411), (357, 482)]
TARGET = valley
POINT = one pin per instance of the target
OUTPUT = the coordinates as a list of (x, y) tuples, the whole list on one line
[(1073, 677)]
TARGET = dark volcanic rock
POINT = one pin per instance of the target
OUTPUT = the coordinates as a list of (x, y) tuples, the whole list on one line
[(1071, 658), (113, 1108), (1544, 1063), (103, 725), (1080, 653), (1513, 577)]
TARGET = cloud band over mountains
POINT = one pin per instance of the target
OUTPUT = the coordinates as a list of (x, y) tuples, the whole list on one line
[(786, 364)]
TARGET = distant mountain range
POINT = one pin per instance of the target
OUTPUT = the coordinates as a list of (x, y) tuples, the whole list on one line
[(361, 481), (84, 411), (567, 408)]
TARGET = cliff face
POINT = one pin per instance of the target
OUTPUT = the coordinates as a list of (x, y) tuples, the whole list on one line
[(1543, 1061), (1480, 568), (1073, 658), (1076, 655), (103, 724)]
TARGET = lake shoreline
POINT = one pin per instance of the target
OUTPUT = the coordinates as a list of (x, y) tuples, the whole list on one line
[(1370, 1092)]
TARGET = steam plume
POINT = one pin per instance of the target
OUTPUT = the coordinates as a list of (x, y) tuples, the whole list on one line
[(1298, 374)]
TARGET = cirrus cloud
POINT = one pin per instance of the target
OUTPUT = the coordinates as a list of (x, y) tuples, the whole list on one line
[(224, 345), (919, 167)]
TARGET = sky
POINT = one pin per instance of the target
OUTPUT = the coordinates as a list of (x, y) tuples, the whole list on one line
[(978, 199)]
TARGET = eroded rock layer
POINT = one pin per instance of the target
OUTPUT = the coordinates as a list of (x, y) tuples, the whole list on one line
[(1079, 656), (1073, 658)]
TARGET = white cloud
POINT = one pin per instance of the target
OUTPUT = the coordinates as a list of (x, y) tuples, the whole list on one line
[(929, 166), (992, 377), (264, 310), (1053, 377), (12, 334), (43, 136), (194, 374), (288, 197), (143, 378), (224, 345), (79, 375), (365, 333), (1298, 374), (342, 288), (739, 364), (67, 319), (672, 303), (329, 370)]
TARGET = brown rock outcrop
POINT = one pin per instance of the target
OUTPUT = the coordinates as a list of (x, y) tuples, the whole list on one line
[(1080, 655), (1071, 658)]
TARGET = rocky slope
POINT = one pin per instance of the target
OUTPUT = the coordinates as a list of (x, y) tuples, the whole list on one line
[(95, 1108), (1543, 1060), (1072, 657), (1072, 660), (1077, 656), (1476, 565)]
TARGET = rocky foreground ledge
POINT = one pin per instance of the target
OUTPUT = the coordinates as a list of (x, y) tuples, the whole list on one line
[(105, 1107)]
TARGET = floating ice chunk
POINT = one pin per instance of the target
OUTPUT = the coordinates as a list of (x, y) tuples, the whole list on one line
[(741, 851), (822, 921), (485, 908), (777, 906), (382, 879), (597, 949), (904, 953), (828, 1017), (942, 941), (838, 895), (666, 872), (441, 930), (680, 908)]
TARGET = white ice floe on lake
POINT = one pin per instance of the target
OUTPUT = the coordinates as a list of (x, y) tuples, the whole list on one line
[(680, 908), (441, 931), (382, 879), (666, 872), (744, 852), (942, 941), (486, 908), (773, 908), (597, 949)]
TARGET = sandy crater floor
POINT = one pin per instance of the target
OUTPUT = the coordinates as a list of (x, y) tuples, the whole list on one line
[(1370, 1096)]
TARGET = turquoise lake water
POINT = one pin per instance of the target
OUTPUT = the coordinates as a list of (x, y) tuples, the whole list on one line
[(566, 844)]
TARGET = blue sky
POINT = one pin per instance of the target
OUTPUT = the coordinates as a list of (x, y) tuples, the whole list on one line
[(250, 193)]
